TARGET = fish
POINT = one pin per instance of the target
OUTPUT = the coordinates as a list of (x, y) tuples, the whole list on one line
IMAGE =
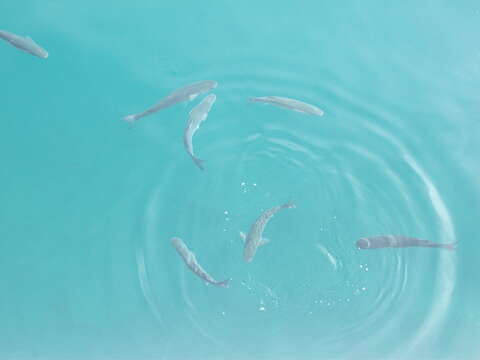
[(291, 104), (191, 261), (398, 241), (24, 43), (254, 239), (186, 93), (328, 255), (197, 115)]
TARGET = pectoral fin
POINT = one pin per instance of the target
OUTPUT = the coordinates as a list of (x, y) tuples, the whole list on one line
[(243, 236), (264, 241)]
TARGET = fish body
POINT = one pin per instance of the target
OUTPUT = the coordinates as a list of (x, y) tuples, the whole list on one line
[(328, 255), (197, 115), (291, 104), (398, 241), (186, 93), (191, 261), (255, 238), (24, 43)]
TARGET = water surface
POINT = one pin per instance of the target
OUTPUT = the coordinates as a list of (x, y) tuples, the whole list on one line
[(89, 202)]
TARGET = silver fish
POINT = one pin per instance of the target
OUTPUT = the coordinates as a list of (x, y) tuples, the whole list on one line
[(289, 104), (185, 93), (24, 43), (197, 115), (192, 263), (255, 238), (398, 241)]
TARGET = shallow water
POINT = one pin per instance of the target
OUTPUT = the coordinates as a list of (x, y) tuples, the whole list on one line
[(89, 202)]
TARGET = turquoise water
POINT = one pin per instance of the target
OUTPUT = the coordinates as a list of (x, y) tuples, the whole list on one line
[(89, 203)]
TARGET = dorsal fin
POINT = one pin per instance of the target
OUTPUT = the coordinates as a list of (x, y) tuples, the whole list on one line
[(264, 241)]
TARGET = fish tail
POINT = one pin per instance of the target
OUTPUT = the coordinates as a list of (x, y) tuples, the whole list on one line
[(451, 246), (224, 283), (198, 162), (130, 118)]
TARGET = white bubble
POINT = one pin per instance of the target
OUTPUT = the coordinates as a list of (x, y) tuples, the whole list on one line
[(261, 308), (225, 212)]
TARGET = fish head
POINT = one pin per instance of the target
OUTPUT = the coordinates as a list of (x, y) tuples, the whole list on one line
[(38, 51), (34, 49), (247, 258), (176, 241), (210, 84), (41, 53), (363, 243)]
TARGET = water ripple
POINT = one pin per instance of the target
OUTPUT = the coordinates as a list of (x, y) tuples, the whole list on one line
[(348, 160)]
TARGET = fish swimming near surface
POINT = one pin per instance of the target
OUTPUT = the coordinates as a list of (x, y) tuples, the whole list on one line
[(197, 115), (255, 238), (291, 104), (186, 93), (24, 43), (398, 241), (192, 263)]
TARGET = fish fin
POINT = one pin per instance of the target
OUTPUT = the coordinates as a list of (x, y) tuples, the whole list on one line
[(30, 40), (198, 162), (451, 246), (264, 241), (243, 236)]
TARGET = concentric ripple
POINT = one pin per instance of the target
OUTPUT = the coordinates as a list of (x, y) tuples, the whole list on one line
[(350, 176)]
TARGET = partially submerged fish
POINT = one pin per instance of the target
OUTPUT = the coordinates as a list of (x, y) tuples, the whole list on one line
[(197, 115), (291, 104), (185, 93), (192, 263), (24, 43), (255, 238), (398, 241)]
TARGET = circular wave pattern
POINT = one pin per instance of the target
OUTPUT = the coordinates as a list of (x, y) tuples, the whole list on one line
[(351, 176)]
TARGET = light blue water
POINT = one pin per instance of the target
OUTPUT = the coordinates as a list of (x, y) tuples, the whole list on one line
[(88, 203)]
